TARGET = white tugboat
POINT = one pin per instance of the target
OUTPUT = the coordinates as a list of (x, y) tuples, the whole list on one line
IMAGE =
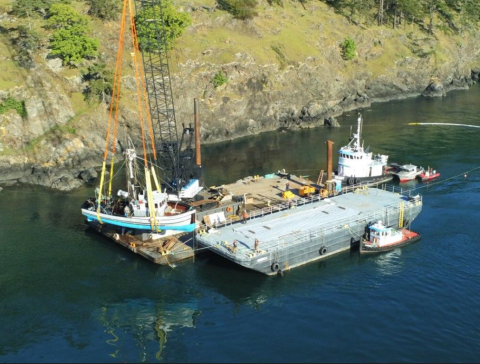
[(384, 239), (356, 165)]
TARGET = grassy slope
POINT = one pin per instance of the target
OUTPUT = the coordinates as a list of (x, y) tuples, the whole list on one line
[(285, 36)]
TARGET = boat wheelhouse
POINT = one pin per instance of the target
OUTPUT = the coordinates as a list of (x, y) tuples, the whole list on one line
[(383, 239), (409, 172), (357, 165)]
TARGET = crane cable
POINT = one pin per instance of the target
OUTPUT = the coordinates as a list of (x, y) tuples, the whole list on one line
[(143, 102), (118, 85), (147, 107), (116, 89)]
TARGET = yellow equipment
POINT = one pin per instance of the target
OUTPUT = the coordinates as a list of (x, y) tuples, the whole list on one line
[(287, 195), (307, 191)]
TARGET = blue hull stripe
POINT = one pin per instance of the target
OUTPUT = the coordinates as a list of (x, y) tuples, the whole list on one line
[(187, 228)]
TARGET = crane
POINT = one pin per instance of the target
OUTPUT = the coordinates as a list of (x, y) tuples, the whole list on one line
[(176, 154)]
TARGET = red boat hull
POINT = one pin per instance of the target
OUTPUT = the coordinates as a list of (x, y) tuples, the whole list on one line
[(429, 178)]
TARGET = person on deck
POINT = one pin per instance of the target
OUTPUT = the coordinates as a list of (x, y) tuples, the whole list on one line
[(287, 187), (245, 216), (235, 247), (257, 246)]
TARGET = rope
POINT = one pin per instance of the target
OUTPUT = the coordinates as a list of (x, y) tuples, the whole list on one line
[(444, 180)]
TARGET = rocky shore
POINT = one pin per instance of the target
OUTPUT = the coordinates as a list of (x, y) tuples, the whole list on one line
[(59, 143)]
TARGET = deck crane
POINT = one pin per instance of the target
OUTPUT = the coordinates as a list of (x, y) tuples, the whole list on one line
[(176, 154)]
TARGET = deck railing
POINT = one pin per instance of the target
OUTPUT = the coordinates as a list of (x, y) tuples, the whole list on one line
[(282, 206), (385, 214)]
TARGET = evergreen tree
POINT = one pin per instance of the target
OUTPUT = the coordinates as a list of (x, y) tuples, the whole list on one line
[(70, 40), (175, 24)]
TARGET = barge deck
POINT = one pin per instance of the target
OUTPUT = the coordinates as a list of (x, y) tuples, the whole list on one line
[(307, 229)]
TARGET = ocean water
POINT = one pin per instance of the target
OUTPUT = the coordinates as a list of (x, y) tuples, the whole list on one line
[(69, 295)]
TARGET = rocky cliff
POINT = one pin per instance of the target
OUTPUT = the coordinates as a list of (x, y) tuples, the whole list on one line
[(284, 69)]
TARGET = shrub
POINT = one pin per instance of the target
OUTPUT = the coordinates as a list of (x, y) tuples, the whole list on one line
[(175, 25), (219, 79), (28, 8), (99, 81), (25, 43), (70, 40), (240, 9), (104, 9), (11, 104), (349, 49)]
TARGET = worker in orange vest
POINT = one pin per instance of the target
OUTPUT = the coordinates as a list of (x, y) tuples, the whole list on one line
[(245, 216)]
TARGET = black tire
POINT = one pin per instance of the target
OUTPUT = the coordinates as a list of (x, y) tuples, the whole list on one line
[(275, 267), (351, 181), (323, 250), (357, 181)]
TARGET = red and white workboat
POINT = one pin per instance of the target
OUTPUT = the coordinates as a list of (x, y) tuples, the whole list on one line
[(429, 174), (409, 172), (383, 239)]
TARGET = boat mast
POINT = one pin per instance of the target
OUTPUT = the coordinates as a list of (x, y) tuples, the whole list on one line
[(359, 131)]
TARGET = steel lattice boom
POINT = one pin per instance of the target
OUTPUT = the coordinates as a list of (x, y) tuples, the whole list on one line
[(175, 154)]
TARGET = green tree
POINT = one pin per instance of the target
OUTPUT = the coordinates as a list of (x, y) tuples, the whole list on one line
[(104, 9), (175, 25), (70, 40), (99, 81), (240, 9)]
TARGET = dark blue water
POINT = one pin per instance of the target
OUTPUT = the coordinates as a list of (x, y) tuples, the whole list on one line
[(69, 295)]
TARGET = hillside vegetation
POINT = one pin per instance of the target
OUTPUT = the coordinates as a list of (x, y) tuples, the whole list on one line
[(256, 65)]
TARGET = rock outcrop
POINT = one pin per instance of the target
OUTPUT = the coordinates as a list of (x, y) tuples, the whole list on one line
[(272, 84)]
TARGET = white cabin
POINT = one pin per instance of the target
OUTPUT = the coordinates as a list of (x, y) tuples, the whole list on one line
[(381, 236), (355, 162), (141, 208)]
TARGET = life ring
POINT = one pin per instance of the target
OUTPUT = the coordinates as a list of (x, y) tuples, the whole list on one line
[(323, 250), (116, 237), (229, 209), (275, 267)]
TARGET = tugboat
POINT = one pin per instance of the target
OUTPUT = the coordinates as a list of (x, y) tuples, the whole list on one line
[(383, 239), (409, 172), (429, 175), (357, 165)]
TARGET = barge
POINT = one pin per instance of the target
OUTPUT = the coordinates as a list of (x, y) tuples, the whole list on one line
[(279, 237)]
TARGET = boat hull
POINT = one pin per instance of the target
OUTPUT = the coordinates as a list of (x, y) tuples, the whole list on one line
[(184, 222), (429, 178), (410, 238), (352, 181)]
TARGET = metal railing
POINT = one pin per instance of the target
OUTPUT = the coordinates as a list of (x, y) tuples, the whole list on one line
[(301, 201), (386, 214)]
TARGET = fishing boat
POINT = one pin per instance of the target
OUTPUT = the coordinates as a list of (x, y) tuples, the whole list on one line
[(148, 206), (408, 172), (131, 209), (428, 175), (383, 239), (357, 165)]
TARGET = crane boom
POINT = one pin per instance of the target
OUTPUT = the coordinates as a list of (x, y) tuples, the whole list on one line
[(175, 154)]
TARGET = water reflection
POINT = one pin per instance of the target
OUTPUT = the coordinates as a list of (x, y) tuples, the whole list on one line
[(144, 324)]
